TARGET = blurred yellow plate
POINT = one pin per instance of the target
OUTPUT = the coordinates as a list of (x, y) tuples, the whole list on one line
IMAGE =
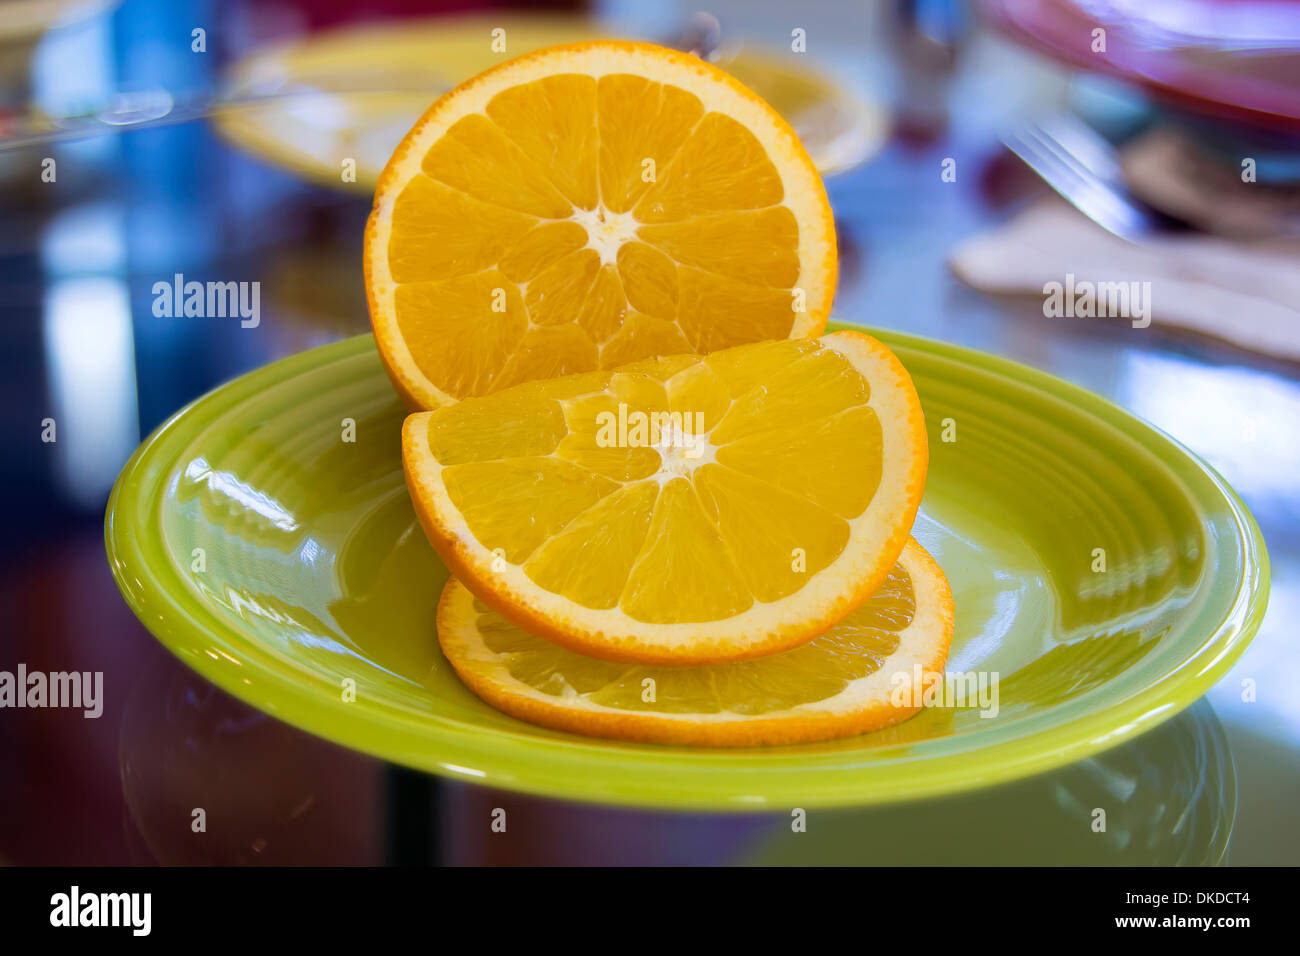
[(352, 93)]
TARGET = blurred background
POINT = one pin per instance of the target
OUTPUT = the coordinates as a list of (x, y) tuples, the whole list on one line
[(972, 152)]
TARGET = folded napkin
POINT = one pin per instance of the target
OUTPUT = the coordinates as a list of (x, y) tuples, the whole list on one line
[(1246, 292)]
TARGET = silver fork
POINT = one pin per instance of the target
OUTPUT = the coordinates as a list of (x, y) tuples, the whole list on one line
[(1082, 167)]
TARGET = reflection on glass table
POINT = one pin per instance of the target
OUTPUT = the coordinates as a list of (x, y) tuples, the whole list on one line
[(270, 794)]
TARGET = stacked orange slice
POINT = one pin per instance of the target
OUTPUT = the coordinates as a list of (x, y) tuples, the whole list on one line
[(858, 676)]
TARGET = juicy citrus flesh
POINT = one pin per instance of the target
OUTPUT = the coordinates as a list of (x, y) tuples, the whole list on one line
[(852, 649), (680, 509), (857, 676), (584, 207)]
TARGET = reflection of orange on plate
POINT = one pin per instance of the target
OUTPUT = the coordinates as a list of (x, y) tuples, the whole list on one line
[(586, 206)]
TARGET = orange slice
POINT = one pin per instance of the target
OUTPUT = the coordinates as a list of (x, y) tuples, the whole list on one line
[(690, 509), (869, 671), (586, 206)]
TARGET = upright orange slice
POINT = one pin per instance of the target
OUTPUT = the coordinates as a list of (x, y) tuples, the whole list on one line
[(586, 206), (679, 510)]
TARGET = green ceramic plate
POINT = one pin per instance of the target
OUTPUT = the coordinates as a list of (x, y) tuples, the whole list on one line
[(282, 561)]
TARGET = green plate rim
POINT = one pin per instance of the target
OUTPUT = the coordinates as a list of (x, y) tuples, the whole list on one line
[(660, 777)]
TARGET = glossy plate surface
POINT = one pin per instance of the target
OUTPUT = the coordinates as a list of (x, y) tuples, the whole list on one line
[(265, 536)]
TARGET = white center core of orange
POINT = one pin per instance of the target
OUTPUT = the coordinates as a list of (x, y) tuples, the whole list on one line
[(681, 453), (606, 231)]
